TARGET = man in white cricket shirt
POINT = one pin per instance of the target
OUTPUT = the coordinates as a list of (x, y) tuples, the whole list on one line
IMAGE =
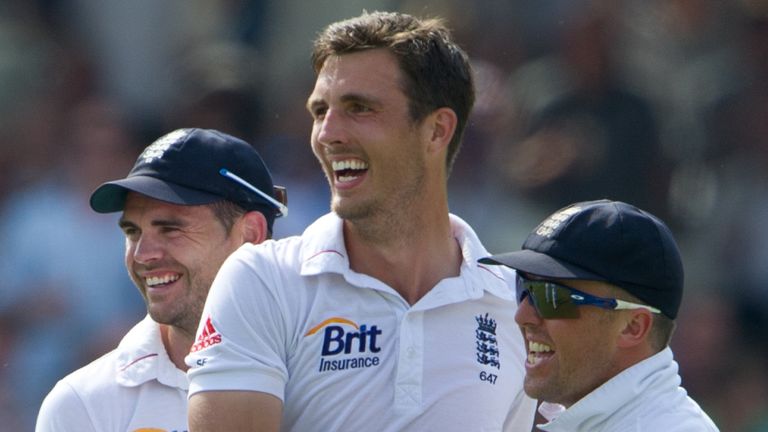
[(191, 199)]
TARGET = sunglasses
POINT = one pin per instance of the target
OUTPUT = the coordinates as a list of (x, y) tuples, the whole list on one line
[(552, 300)]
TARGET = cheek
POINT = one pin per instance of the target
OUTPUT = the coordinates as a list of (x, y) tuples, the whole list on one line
[(589, 352), (317, 149), (129, 262), (130, 247), (206, 263), (575, 344), (313, 137)]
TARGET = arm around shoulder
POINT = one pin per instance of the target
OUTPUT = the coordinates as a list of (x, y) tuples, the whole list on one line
[(213, 411)]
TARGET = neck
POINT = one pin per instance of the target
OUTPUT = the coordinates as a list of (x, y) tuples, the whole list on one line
[(177, 343), (409, 251)]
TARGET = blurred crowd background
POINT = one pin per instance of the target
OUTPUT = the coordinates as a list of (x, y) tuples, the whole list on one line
[(659, 103)]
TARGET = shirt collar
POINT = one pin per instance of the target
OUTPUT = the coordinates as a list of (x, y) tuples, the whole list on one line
[(323, 251), (141, 357), (323, 247)]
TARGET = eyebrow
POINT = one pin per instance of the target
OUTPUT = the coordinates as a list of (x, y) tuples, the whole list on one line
[(172, 222), (347, 98), (314, 103)]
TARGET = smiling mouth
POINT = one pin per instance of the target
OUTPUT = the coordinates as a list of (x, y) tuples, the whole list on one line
[(348, 170), (537, 352), (157, 281)]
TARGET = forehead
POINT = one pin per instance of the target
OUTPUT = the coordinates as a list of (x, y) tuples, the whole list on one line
[(137, 205), (374, 71)]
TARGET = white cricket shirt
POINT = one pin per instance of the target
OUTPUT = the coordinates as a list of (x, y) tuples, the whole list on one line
[(134, 388), (345, 352)]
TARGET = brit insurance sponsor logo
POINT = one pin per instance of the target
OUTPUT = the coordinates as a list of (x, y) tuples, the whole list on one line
[(346, 345)]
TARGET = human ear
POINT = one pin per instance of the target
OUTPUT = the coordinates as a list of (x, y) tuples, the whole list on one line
[(254, 227), (442, 124), (636, 327)]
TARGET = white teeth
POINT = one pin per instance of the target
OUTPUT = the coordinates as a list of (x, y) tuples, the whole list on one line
[(536, 347), (157, 280), (349, 164)]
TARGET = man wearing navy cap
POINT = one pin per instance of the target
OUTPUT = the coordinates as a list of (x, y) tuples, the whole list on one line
[(191, 199), (599, 285)]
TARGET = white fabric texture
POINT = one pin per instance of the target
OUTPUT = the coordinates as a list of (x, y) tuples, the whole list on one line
[(132, 388), (346, 352), (646, 397)]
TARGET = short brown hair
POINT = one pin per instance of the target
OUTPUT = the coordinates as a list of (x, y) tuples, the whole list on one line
[(227, 212), (661, 331), (662, 327), (437, 71)]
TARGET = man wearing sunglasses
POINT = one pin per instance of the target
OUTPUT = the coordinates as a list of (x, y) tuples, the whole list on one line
[(599, 285)]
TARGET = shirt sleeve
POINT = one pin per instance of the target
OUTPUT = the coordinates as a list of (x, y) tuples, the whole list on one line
[(240, 343), (62, 411)]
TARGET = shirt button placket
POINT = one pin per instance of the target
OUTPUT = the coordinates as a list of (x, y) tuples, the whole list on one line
[(408, 383)]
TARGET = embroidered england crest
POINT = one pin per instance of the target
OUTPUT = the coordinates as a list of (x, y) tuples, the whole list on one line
[(158, 148), (487, 345)]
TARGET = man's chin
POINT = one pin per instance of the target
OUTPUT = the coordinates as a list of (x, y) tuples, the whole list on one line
[(349, 212)]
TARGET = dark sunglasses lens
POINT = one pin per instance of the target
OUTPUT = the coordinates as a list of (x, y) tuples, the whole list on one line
[(552, 300)]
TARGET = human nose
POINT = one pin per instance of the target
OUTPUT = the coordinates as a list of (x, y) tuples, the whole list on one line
[(330, 129), (526, 313), (146, 249)]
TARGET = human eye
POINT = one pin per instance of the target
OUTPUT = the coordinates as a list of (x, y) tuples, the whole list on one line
[(170, 230), (318, 111), (131, 232), (359, 108)]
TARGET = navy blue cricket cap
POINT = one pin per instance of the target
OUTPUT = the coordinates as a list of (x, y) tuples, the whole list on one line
[(608, 241), (185, 167)]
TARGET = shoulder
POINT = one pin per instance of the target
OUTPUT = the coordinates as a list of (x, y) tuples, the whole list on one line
[(257, 276), (681, 417), (290, 253), (63, 410), (259, 264), (73, 400), (281, 252), (663, 405), (681, 423), (93, 380)]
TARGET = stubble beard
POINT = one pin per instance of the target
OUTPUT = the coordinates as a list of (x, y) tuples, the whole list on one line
[(386, 217), (187, 312), (567, 387), (183, 313)]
